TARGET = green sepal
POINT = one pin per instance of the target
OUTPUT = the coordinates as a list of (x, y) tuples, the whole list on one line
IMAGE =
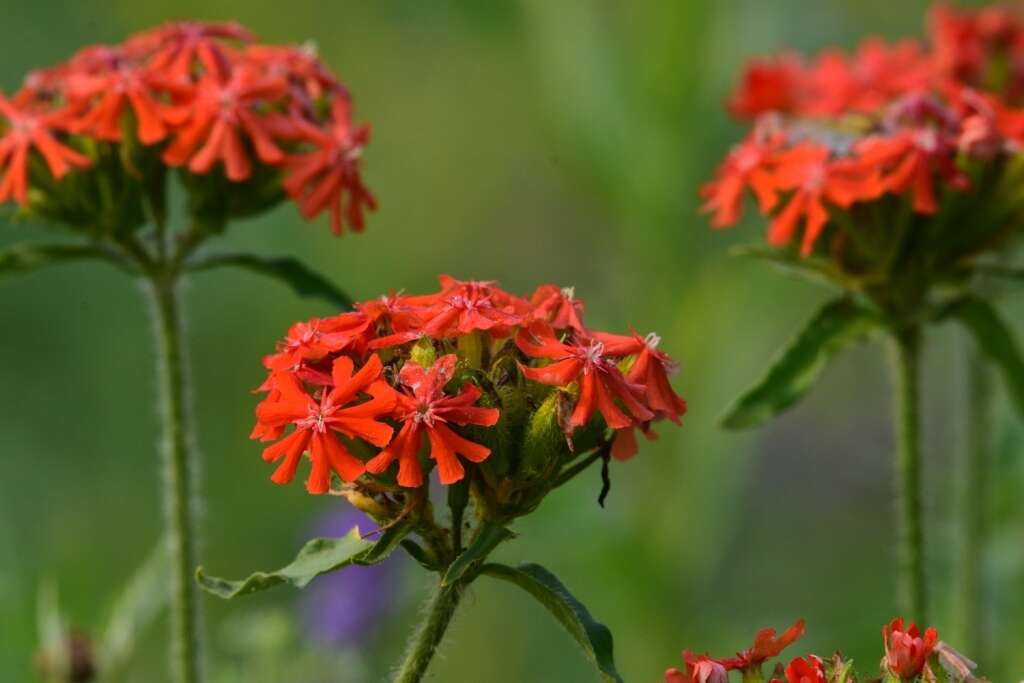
[(490, 536), (996, 341), (544, 442), (837, 325), (318, 556), (22, 258), (594, 637), (292, 272)]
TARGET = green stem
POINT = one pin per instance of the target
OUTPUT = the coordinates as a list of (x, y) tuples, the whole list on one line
[(974, 496), (907, 362), (428, 635), (179, 481)]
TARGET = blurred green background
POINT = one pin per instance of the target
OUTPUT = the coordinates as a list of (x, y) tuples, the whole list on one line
[(526, 142)]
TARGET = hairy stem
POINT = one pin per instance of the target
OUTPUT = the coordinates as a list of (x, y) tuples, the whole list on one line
[(906, 370), (428, 635), (179, 482), (976, 461)]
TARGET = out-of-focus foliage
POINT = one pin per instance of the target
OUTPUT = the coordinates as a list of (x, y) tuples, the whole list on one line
[(523, 141)]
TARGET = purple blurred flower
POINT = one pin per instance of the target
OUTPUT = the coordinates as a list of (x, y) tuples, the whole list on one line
[(344, 609)]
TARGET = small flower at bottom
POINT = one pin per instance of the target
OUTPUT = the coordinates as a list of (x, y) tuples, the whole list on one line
[(424, 406), (699, 669), (766, 645), (906, 652), (316, 422), (810, 670)]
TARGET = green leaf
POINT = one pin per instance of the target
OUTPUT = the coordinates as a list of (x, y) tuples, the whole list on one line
[(837, 325), (319, 556), (490, 536), (295, 274), (22, 258), (593, 636), (996, 341), (136, 607)]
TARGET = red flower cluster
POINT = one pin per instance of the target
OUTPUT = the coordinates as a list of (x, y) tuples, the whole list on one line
[(395, 375), (898, 119), (907, 657), (209, 96)]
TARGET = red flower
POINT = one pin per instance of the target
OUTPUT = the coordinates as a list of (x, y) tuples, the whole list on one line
[(424, 407), (699, 669), (315, 338), (748, 165), (176, 46), (906, 653), (773, 84), (463, 307), (650, 371), (221, 111), (31, 124), (814, 179), (114, 82), (869, 80), (301, 67), (810, 670), (315, 422), (321, 179), (910, 160), (587, 362), (557, 306), (766, 645)]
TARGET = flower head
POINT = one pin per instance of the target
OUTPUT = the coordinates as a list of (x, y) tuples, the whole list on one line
[(468, 369), (809, 670)]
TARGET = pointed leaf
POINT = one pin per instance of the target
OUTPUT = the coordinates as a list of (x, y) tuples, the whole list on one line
[(303, 281), (594, 637), (996, 341), (319, 556), (837, 325), (22, 258), (490, 536)]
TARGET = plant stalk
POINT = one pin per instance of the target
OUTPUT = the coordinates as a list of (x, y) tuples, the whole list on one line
[(906, 370), (179, 481), (428, 635), (974, 494)]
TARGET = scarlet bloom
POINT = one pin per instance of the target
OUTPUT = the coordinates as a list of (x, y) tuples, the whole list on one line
[(314, 339), (175, 47), (587, 362), (218, 116), (766, 645), (558, 306), (699, 669), (424, 407), (773, 84), (906, 652), (467, 306), (328, 177), (815, 181), (909, 161), (810, 670), (115, 82), (746, 166), (869, 80), (31, 124), (339, 410)]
